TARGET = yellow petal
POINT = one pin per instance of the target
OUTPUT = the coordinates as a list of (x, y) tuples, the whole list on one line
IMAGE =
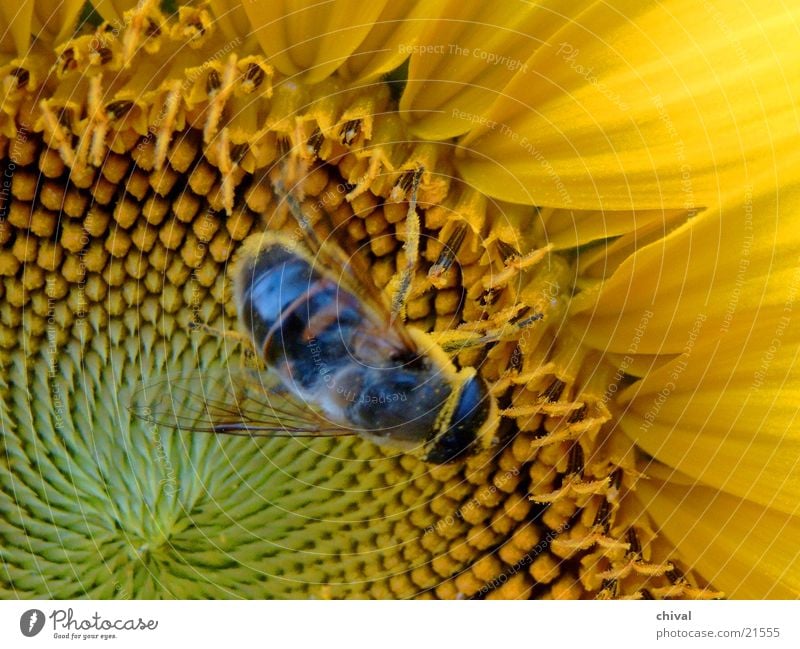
[(725, 412), (743, 549), (392, 38), (311, 38), (725, 263), (641, 105), (15, 21), (566, 229), (28, 22), (56, 24), (463, 61), (230, 18), (113, 10)]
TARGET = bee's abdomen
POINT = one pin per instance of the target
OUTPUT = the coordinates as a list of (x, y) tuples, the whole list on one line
[(280, 298), (275, 280)]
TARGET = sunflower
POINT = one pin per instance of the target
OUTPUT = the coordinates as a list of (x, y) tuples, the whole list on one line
[(611, 188)]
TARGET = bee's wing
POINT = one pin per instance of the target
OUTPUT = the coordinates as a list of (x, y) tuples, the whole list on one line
[(350, 272), (230, 401)]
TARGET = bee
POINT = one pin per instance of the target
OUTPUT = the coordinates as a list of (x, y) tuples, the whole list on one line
[(337, 359)]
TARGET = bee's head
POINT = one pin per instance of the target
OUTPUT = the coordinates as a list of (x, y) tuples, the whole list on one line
[(472, 410)]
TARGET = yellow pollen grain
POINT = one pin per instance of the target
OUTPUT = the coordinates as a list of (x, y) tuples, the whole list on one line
[(144, 236), (43, 223), (517, 587), (118, 242), (136, 265), (6, 231), (172, 234), (183, 153), (9, 264), (50, 163), (202, 178), (395, 212), (221, 246), (239, 224), (382, 245), (163, 181), (19, 216), (418, 309), (115, 167), (155, 209), (50, 255), (487, 567), (138, 185), (96, 220), (185, 206), (73, 269), (23, 185), (103, 190), (25, 248), (125, 212), (32, 277), (74, 204), (82, 178)]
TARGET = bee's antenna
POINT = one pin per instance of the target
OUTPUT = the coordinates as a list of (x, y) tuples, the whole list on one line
[(411, 248)]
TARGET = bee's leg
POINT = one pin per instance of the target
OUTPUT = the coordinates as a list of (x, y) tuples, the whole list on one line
[(403, 279), (235, 337), (454, 341)]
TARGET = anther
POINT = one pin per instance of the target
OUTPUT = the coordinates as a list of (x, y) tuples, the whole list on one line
[(22, 75), (213, 82), (254, 74), (633, 541), (350, 131), (152, 29), (105, 55), (238, 152), (553, 392), (449, 252), (118, 109), (68, 61), (575, 462), (578, 415), (314, 143), (507, 250), (602, 516)]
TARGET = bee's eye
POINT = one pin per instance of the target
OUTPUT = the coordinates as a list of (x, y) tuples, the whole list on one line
[(469, 415)]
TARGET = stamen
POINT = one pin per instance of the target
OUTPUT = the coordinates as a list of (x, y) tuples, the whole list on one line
[(601, 519), (67, 60), (578, 415), (633, 540), (553, 391), (448, 254), (213, 82), (118, 109), (152, 30), (105, 54), (22, 75), (575, 463), (350, 131), (238, 152), (507, 250), (255, 75), (314, 143)]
